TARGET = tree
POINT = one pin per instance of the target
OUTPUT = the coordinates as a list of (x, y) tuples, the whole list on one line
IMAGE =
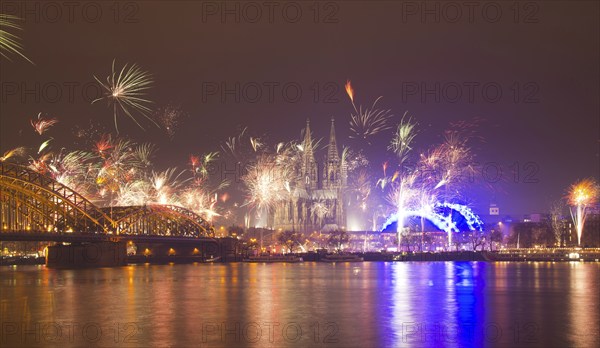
[(290, 239), (476, 239), (542, 234), (495, 237), (337, 238), (520, 235), (459, 238), (528, 234)]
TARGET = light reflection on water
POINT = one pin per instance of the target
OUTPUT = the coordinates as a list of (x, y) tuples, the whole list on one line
[(408, 304)]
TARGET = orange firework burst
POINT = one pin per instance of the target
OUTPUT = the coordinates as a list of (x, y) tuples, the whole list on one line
[(194, 162), (103, 145), (584, 192), (42, 124)]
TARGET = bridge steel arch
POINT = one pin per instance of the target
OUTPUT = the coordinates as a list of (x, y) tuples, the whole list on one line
[(159, 220), (30, 201), (35, 203)]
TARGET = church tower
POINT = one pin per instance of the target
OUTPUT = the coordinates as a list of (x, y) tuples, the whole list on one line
[(310, 179), (332, 173), (333, 183)]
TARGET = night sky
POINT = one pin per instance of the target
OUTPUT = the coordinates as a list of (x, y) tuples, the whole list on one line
[(544, 57)]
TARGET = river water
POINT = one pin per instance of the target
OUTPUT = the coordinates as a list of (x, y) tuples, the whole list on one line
[(370, 304)]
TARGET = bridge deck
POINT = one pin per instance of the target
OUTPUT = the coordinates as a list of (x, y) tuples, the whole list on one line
[(33, 236)]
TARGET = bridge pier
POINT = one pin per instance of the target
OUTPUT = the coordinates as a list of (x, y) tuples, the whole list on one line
[(200, 249), (162, 252), (82, 255), (223, 250)]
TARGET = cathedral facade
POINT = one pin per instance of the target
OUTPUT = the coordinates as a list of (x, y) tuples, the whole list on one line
[(316, 202)]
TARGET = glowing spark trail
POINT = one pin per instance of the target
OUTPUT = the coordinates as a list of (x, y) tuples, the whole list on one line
[(44, 145), (582, 194), (16, 152), (350, 92)]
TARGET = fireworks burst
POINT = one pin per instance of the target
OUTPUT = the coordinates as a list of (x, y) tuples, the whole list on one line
[(201, 165), (366, 122), (86, 134), (118, 171), (266, 182), (41, 125), (256, 143), (236, 149), (402, 141), (169, 119), (125, 92), (74, 169), (437, 177), (16, 152), (9, 42), (165, 184), (403, 197), (581, 195), (447, 166)]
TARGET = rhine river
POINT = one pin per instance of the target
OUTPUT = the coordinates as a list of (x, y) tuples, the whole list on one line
[(370, 304)]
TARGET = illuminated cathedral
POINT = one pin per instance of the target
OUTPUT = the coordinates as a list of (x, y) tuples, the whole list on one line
[(317, 199)]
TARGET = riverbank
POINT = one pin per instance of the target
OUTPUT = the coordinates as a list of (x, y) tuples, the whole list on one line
[(515, 255)]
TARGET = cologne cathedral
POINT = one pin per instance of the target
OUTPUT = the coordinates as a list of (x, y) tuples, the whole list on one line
[(317, 200)]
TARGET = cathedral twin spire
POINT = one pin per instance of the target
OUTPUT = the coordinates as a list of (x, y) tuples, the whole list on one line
[(331, 168), (332, 151), (318, 184)]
